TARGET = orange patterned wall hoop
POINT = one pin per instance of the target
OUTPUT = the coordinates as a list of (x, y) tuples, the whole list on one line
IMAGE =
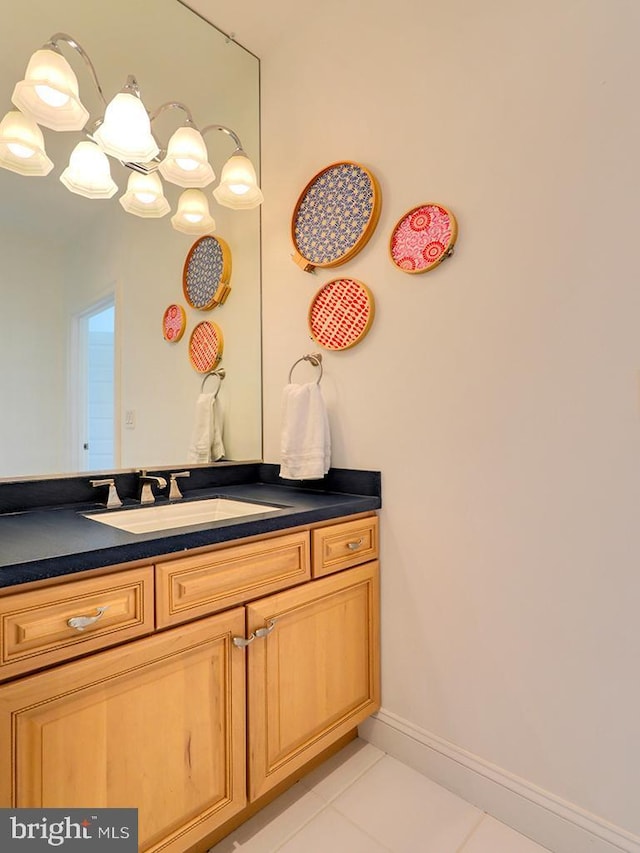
[(174, 322), (341, 313), (205, 347), (423, 238), (335, 216), (206, 273)]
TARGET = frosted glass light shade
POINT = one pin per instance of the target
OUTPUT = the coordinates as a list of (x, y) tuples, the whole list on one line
[(125, 132), (192, 216), (88, 173), (49, 92), (22, 146), (238, 187), (186, 163), (145, 197)]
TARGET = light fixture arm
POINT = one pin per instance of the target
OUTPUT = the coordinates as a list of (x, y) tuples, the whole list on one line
[(52, 44), (226, 130), (189, 121), (172, 105)]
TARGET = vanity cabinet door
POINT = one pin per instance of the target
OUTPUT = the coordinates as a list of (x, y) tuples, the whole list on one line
[(315, 675), (157, 725)]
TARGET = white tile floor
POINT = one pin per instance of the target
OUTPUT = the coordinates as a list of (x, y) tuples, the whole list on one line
[(364, 801)]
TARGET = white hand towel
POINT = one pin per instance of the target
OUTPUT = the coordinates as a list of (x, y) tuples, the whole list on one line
[(305, 440), (207, 438)]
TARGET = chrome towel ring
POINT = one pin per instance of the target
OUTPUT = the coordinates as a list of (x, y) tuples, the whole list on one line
[(220, 373), (314, 358)]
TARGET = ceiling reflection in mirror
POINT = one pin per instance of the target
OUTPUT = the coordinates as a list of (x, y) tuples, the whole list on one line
[(87, 373)]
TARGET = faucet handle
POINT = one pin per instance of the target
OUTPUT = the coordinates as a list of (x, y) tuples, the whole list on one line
[(113, 498), (174, 492)]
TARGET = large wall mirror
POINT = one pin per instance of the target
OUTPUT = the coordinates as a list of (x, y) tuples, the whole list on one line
[(71, 269)]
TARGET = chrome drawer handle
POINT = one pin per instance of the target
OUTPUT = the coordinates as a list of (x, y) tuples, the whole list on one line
[(242, 642), (82, 622), (353, 546)]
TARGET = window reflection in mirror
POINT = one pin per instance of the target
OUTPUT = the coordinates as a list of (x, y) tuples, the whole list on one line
[(93, 388)]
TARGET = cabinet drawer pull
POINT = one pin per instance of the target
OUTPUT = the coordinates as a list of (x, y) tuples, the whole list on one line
[(82, 622), (353, 546), (242, 642)]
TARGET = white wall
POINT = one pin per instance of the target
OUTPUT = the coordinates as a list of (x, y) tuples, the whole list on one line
[(499, 394), (32, 354)]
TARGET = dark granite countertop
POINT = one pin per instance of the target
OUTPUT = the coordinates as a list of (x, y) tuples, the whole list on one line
[(39, 541)]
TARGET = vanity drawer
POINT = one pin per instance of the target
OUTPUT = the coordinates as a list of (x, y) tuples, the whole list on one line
[(205, 583), (339, 546), (35, 630)]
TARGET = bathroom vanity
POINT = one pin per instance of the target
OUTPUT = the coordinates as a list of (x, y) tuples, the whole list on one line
[(193, 674)]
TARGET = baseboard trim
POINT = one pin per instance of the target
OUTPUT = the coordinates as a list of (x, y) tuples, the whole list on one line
[(561, 826)]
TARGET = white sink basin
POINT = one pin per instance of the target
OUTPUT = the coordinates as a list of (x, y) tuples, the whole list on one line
[(147, 519)]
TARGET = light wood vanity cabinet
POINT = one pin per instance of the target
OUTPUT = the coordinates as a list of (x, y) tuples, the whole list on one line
[(348, 543), (35, 629), (316, 676), (193, 586), (199, 720), (158, 724)]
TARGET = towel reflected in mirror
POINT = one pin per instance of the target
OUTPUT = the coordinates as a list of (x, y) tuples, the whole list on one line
[(207, 444)]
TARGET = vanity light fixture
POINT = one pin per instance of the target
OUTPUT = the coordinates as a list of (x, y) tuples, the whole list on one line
[(238, 187), (193, 215), (49, 96), (22, 145), (88, 173), (125, 132), (144, 196), (186, 163), (49, 91)]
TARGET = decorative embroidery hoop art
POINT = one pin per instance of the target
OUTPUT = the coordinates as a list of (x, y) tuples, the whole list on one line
[(207, 270), (174, 322), (205, 347), (335, 216), (423, 238), (341, 313)]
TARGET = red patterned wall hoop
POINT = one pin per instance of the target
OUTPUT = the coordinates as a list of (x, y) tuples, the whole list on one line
[(206, 273), (341, 313), (335, 216), (423, 238), (205, 347), (174, 322)]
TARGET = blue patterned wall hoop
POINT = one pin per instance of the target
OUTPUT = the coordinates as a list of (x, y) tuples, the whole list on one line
[(206, 273), (335, 216)]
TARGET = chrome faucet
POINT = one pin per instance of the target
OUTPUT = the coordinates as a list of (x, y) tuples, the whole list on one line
[(174, 492), (113, 498), (146, 492)]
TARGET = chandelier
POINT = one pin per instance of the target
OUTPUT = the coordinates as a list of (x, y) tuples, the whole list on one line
[(49, 97)]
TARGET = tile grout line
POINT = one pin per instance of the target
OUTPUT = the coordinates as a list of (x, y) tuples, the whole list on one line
[(353, 781), (293, 834), (326, 805), (239, 846), (361, 829), (471, 833)]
